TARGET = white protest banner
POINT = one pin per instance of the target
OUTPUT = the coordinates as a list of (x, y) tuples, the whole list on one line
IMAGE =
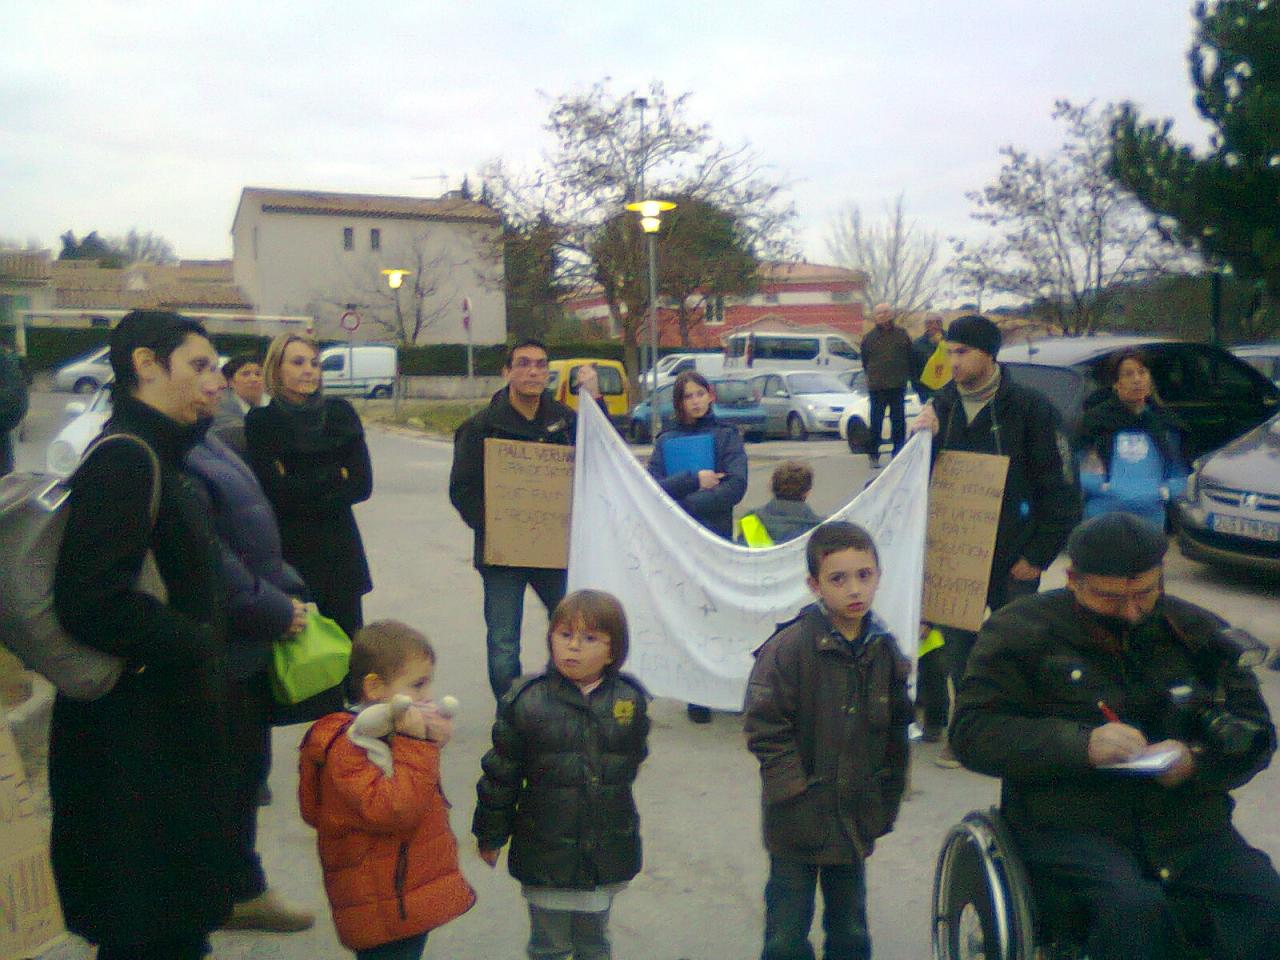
[(30, 914), (698, 605)]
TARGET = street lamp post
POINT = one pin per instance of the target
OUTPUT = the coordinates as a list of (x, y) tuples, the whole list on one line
[(650, 222), (395, 280)]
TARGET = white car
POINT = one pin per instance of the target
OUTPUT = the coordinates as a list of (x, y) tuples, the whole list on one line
[(65, 450), (858, 413), (800, 402), (85, 373)]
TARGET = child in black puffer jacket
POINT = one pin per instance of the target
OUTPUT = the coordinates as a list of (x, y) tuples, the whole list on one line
[(567, 745)]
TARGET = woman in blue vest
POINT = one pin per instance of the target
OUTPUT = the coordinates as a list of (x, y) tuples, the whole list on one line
[(1128, 449)]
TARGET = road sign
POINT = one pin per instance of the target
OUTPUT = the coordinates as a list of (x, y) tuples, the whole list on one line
[(350, 321)]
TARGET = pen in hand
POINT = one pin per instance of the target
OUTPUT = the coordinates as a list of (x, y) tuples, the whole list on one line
[(1107, 712)]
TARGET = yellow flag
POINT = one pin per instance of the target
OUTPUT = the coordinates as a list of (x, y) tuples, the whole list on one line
[(938, 369)]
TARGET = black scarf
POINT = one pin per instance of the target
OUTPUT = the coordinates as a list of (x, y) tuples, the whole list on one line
[(306, 421)]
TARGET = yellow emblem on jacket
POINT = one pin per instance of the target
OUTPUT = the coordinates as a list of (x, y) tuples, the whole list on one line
[(624, 711)]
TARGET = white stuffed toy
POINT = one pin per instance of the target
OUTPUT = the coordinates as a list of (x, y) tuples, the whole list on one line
[(377, 721)]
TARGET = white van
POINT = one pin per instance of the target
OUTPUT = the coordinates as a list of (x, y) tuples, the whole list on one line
[(360, 371), (793, 350)]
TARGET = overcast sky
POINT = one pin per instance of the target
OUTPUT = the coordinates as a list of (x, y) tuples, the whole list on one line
[(155, 115)]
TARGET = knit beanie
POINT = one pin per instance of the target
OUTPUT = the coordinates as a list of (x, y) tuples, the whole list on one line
[(975, 331), (1116, 545)]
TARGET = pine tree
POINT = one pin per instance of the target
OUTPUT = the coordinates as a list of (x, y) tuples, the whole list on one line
[(1224, 201)]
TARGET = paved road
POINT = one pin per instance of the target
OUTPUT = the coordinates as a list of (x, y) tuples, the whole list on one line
[(699, 896)]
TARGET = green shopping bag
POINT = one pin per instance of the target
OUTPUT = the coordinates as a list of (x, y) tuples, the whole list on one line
[(310, 662)]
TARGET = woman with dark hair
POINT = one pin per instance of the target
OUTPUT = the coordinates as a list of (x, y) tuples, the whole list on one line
[(309, 454), (1128, 449), (700, 463)]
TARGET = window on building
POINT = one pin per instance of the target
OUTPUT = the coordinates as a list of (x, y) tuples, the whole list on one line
[(841, 296), (375, 239), (255, 242), (714, 311), (348, 238)]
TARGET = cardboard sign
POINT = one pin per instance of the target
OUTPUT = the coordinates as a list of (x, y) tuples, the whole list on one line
[(30, 914), (528, 496), (965, 494)]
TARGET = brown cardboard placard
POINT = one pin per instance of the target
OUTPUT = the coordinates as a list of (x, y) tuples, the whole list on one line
[(528, 498), (965, 494), (30, 914)]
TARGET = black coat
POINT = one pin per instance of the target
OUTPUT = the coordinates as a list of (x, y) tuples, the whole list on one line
[(712, 508), (13, 404), (1041, 500), (558, 781), (1029, 701), (142, 843), (313, 484), (553, 423), (1102, 421), (261, 587), (828, 722), (887, 357)]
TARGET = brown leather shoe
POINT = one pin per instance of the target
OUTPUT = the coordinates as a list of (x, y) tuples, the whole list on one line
[(267, 912)]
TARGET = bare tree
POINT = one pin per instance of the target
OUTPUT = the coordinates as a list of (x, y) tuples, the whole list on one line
[(605, 148), (136, 247), (898, 257), (1064, 231), (425, 297)]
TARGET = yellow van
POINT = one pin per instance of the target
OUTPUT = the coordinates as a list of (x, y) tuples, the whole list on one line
[(563, 384)]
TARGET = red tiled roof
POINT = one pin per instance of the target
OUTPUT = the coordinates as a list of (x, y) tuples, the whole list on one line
[(366, 205)]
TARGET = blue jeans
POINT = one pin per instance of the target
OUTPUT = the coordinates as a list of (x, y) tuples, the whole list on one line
[(504, 610), (788, 910), (410, 948)]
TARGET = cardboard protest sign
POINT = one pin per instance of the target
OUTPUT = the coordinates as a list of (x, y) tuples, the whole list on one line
[(528, 496), (965, 493), (30, 914)]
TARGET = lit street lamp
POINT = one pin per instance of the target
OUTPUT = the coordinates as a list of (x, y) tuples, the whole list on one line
[(651, 212), (395, 280)]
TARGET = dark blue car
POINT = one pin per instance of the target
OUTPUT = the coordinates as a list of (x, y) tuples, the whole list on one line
[(736, 403)]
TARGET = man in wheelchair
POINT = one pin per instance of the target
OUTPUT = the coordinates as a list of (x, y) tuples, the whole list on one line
[(1118, 718)]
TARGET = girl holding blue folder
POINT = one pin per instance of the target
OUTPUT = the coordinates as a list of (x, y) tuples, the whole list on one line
[(700, 463), (1128, 447)]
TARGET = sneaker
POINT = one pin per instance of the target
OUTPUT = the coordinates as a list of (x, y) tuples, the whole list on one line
[(698, 714), (932, 733), (946, 759), (268, 912)]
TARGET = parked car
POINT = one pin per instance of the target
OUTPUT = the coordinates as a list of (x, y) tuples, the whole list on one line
[(857, 415), (562, 381), (1263, 357), (1231, 512), (365, 371), (669, 367), (736, 403), (769, 352), (86, 373), (1217, 396), (801, 402), (63, 454)]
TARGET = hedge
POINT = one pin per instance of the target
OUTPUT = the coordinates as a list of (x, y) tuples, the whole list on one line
[(49, 347)]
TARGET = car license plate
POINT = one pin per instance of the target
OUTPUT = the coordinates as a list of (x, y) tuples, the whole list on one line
[(1244, 527)]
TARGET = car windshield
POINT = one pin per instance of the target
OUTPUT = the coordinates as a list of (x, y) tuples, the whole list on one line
[(803, 383), (729, 392)]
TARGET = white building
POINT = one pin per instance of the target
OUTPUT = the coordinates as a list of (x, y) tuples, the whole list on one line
[(324, 254)]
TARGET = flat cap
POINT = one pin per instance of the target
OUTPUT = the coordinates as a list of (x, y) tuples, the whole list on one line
[(1116, 545)]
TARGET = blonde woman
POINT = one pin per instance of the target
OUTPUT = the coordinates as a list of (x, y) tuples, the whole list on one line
[(309, 453)]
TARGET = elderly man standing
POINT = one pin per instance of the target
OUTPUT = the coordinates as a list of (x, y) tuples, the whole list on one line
[(887, 360), (1119, 719)]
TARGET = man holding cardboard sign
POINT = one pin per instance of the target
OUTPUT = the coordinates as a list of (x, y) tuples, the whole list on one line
[(524, 412), (983, 411)]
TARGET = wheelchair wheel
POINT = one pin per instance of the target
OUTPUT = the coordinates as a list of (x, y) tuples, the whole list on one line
[(982, 907)]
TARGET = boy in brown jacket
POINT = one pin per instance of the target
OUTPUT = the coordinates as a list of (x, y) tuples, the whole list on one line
[(826, 715)]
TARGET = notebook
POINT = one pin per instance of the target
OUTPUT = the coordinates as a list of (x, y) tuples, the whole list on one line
[(689, 454)]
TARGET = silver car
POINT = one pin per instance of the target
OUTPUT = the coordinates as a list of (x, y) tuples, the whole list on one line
[(1264, 357), (86, 373), (801, 402), (1231, 513)]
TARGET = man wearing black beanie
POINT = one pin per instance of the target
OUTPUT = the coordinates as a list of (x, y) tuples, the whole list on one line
[(982, 410), (1067, 687)]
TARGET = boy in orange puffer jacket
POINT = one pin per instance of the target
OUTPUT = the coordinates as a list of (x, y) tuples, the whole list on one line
[(370, 784)]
